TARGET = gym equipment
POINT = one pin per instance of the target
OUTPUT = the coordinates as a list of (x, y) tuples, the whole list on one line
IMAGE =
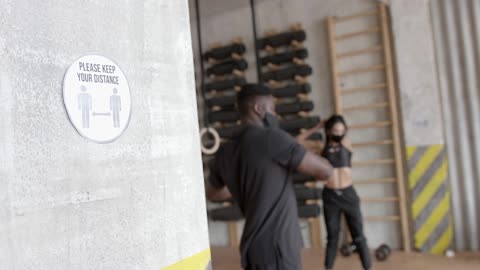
[(282, 109), (348, 249), (286, 57), (225, 52), (216, 141), (228, 132), (304, 193), (292, 90), (383, 252), (288, 73), (339, 69), (281, 39), (224, 116), (222, 102), (308, 210), (227, 67), (299, 123), (228, 213), (206, 129), (289, 108), (225, 84)]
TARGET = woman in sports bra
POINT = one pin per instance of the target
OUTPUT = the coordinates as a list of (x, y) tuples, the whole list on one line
[(339, 196)]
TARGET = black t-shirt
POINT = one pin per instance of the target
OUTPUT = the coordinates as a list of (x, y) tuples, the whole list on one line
[(256, 167)]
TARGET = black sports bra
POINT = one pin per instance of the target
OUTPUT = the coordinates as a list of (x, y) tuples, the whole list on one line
[(339, 156)]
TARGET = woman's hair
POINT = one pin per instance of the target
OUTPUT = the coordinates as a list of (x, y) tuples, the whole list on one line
[(334, 119)]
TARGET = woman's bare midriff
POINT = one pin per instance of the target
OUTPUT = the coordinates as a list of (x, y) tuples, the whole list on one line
[(341, 178)]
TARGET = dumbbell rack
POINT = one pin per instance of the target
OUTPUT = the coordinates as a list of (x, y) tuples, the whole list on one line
[(225, 76), (389, 105), (283, 68)]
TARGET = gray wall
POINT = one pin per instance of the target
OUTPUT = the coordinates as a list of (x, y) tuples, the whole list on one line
[(456, 27), (66, 203)]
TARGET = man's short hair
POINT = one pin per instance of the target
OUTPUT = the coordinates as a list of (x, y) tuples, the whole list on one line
[(246, 97)]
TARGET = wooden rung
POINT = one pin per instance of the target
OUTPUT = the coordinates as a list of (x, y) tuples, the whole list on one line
[(360, 52), (379, 200), (363, 88), (374, 143), (232, 232), (373, 162), (356, 15), (366, 107), (371, 125), (360, 70), (375, 181), (359, 33), (382, 218)]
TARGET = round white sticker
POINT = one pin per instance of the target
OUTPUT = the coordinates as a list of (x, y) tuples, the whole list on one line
[(97, 98)]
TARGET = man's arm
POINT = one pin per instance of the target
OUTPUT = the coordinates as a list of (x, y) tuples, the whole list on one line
[(216, 188), (315, 166), (302, 137), (287, 152)]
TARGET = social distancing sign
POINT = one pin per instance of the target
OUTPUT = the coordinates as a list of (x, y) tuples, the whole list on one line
[(97, 98)]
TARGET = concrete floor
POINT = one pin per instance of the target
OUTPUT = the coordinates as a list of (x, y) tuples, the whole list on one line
[(225, 258)]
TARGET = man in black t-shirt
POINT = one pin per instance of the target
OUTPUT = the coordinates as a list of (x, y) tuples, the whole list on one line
[(255, 169)]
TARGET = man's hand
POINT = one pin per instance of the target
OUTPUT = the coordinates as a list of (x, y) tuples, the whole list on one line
[(302, 137), (214, 194)]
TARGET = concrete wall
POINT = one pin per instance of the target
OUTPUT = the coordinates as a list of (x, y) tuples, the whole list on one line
[(457, 45), (66, 203), (416, 72), (234, 19)]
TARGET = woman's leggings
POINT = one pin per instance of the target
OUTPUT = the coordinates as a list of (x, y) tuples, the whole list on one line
[(346, 201)]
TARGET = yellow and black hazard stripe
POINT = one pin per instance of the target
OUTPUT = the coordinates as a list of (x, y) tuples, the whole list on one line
[(430, 194), (200, 261)]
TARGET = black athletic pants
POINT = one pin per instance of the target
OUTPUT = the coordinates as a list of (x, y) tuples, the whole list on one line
[(346, 201)]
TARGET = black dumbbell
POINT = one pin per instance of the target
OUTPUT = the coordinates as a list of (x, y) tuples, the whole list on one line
[(281, 39), (291, 125), (292, 90), (348, 249), (284, 57), (225, 52), (227, 67), (287, 73), (225, 84), (382, 252)]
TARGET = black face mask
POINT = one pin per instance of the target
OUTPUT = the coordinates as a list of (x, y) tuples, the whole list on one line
[(270, 120), (337, 138)]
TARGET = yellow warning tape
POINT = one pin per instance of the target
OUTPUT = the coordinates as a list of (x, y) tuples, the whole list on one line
[(444, 242), (432, 222), (196, 262), (429, 190), (428, 169), (423, 164), (410, 151)]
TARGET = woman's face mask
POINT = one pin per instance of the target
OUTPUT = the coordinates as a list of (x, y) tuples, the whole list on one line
[(338, 133), (337, 138)]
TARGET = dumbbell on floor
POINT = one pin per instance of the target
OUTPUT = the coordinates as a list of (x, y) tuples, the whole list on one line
[(382, 252), (348, 249)]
